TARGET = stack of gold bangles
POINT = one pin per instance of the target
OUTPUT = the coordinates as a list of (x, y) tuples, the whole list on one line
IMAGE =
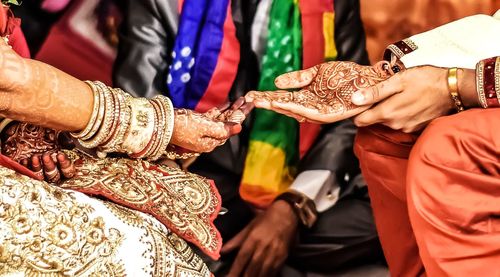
[(140, 127)]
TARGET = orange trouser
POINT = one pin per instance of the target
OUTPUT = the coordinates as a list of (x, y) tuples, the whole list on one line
[(436, 197)]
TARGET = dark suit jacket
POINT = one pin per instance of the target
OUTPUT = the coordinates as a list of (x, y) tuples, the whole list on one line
[(147, 37)]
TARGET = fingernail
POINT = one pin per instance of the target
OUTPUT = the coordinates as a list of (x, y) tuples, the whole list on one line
[(358, 98)]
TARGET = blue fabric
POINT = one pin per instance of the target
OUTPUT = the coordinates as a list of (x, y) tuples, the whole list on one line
[(196, 50)]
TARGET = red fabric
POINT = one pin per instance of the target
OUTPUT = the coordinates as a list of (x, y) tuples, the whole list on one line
[(489, 83), (226, 69), (435, 197), (11, 27), (10, 164), (74, 54), (159, 198), (313, 46)]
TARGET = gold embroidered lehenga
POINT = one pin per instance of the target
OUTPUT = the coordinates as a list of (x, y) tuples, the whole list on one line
[(125, 215)]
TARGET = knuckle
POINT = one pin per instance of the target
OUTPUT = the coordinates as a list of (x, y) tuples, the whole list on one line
[(359, 122)]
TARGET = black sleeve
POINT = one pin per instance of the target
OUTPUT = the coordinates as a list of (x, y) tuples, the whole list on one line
[(350, 36), (333, 149), (146, 37)]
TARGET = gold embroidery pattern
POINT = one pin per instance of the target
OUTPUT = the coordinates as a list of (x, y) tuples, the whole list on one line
[(184, 202), (45, 232), (172, 255), (169, 254)]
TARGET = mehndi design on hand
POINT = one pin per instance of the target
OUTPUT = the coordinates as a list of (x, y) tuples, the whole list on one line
[(325, 91), (37, 148), (202, 132)]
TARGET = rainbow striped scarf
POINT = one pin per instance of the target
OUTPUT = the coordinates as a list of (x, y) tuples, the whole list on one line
[(276, 141)]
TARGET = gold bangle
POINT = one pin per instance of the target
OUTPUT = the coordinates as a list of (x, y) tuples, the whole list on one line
[(453, 88), (167, 111), (141, 126), (479, 84), (95, 113), (154, 152), (125, 115), (107, 122), (184, 156)]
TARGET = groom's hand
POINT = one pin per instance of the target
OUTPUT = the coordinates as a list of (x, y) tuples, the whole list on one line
[(264, 244)]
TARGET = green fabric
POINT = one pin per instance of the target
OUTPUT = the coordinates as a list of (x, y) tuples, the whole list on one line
[(283, 54)]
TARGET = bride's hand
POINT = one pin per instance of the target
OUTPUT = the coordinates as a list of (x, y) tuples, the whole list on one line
[(325, 91), (199, 132), (11, 65)]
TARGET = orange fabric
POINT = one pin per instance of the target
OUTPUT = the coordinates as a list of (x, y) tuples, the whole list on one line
[(447, 185), (383, 155)]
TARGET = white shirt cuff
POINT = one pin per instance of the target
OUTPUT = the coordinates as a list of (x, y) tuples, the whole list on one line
[(318, 185)]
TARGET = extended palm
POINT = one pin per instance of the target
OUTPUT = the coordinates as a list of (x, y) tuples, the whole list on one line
[(325, 91)]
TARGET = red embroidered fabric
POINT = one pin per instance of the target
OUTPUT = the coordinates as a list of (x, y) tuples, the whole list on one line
[(186, 203)]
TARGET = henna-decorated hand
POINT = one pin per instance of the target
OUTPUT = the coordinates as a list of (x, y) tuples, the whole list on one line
[(199, 133), (21, 141), (325, 91), (37, 148), (52, 167)]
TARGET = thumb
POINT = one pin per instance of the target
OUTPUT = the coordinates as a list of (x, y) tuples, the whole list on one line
[(296, 79), (378, 92)]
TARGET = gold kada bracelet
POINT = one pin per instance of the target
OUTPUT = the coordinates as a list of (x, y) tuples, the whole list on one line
[(453, 88)]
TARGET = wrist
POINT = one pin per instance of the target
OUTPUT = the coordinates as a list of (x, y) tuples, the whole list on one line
[(467, 87), (287, 211), (303, 207)]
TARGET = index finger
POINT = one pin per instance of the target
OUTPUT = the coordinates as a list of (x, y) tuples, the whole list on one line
[(242, 259), (296, 79)]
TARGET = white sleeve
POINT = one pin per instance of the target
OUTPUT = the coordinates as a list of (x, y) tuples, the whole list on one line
[(318, 185)]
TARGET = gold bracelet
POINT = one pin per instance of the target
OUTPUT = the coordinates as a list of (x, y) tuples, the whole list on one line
[(95, 113), (114, 121), (171, 154), (168, 118), (150, 146), (155, 153), (479, 84), (122, 116), (107, 122), (141, 126), (453, 89), (125, 115), (184, 156)]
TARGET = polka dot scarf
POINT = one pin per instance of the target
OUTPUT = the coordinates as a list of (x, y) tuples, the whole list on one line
[(205, 56)]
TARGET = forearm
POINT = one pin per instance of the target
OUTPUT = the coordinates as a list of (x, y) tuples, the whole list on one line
[(467, 87), (37, 93)]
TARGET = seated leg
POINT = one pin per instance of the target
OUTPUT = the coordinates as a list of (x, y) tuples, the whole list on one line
[(344, 236), (453, 194), (383, 155)]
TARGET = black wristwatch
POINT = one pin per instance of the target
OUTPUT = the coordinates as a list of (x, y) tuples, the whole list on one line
[(303, 206)]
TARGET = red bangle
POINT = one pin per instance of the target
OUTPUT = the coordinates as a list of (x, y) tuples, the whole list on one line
[(488, 82)]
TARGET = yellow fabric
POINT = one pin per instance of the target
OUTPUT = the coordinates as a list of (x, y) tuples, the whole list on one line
[(259, 176), (328, 33)]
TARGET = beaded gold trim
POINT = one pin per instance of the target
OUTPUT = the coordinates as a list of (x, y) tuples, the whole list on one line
[(480, 84)]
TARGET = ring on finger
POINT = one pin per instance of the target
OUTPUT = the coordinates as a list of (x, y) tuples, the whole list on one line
[(53, 174)]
